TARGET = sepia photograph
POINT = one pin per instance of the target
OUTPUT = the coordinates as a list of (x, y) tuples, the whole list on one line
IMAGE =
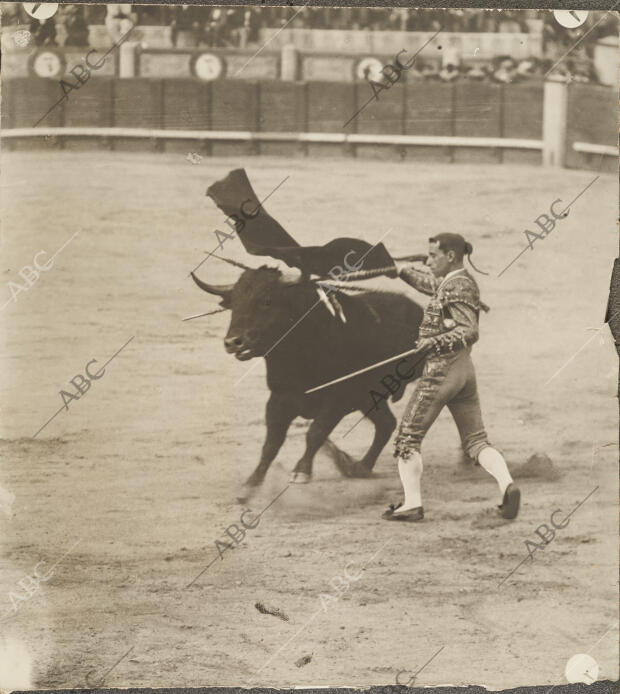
[(309, 346)]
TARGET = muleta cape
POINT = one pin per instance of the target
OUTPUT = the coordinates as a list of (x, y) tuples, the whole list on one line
[(261, 234)]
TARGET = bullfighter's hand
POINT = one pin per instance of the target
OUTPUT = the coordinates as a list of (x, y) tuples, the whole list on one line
[(424, 344), (399, 266)]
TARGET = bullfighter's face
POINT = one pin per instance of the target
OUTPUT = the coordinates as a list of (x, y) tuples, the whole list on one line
[(438, 261)]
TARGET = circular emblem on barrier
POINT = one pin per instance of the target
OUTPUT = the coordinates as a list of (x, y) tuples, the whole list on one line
[(207, 66), (581, 668), (571, 19), (368, 69), (40, 10), (48, 63)]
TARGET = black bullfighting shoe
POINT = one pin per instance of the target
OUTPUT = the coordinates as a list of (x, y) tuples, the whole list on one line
[(413, 515), (510, 503)]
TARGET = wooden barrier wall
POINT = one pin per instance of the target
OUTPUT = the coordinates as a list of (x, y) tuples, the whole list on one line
[(420, 108), (465, 109), (593, 118)]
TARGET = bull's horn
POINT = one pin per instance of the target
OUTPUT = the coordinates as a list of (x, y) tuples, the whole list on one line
[(223, 290), (292, 276)]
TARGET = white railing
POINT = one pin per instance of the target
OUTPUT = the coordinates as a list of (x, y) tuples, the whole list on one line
[(247, 136), (316, 137), (588, 148)]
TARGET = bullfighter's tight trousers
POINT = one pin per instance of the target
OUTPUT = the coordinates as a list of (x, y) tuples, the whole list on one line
[(446, 381)]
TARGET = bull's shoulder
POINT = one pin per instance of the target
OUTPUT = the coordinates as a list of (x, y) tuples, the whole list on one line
[(386, 307)]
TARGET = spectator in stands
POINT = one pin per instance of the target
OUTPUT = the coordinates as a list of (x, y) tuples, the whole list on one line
[(512, 22), (234, 22), (119, 20), (474, 20), (360, 18), (582, 72), (75, 25), (95, 14), (435, 21), (223, 26), (251, 23), (607, 25), (455, 20), (415, 72), (281, 15), (397, 20), (43, 31), (188, 25), (449, 73), (506, 71), (12, 13), (233, 25), (526, 69), (329, 17), (218, 31), (430, 71), (378, 18), (343, 18), (313, 17), (477, 73)]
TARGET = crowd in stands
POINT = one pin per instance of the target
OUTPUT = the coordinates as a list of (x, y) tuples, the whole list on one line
[(504, 70), (232, 26)]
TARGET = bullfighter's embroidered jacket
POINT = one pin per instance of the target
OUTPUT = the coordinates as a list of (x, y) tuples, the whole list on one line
[(451, 317)]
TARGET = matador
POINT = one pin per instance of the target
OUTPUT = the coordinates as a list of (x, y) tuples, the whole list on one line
[(447, 332)]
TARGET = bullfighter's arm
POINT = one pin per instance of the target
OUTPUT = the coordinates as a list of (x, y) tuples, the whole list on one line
[(462, 335), (424, 282)]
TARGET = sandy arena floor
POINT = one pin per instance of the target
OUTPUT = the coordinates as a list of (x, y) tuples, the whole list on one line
[(143, 471)]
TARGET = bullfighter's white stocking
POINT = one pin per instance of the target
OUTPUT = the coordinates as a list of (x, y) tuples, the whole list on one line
[(493, 462), (410, 472)]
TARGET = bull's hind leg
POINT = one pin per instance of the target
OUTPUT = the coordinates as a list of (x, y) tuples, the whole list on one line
[(341, 459), (385, 423), (319, 430)]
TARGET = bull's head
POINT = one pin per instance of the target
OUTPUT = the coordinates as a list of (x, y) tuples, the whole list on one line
[(259, 304)]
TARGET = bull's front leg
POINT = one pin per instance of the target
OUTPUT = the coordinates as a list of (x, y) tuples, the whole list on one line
[(279, 414), (385, 423), (319, 430)]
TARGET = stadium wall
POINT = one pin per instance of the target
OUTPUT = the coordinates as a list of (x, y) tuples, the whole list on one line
[(464, 121)]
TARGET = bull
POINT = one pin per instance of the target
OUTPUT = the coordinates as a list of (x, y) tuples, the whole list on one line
[(303, 346)]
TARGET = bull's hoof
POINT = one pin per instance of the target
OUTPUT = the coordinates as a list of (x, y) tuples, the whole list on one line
[(358, 469), (250, 488), (254, 480), (248, 492), (299, 477), (343, 461)]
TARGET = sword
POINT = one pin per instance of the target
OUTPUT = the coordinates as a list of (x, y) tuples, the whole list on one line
[(368, 368)]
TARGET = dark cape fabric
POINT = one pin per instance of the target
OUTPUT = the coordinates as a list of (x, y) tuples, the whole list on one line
[(261, 234)]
